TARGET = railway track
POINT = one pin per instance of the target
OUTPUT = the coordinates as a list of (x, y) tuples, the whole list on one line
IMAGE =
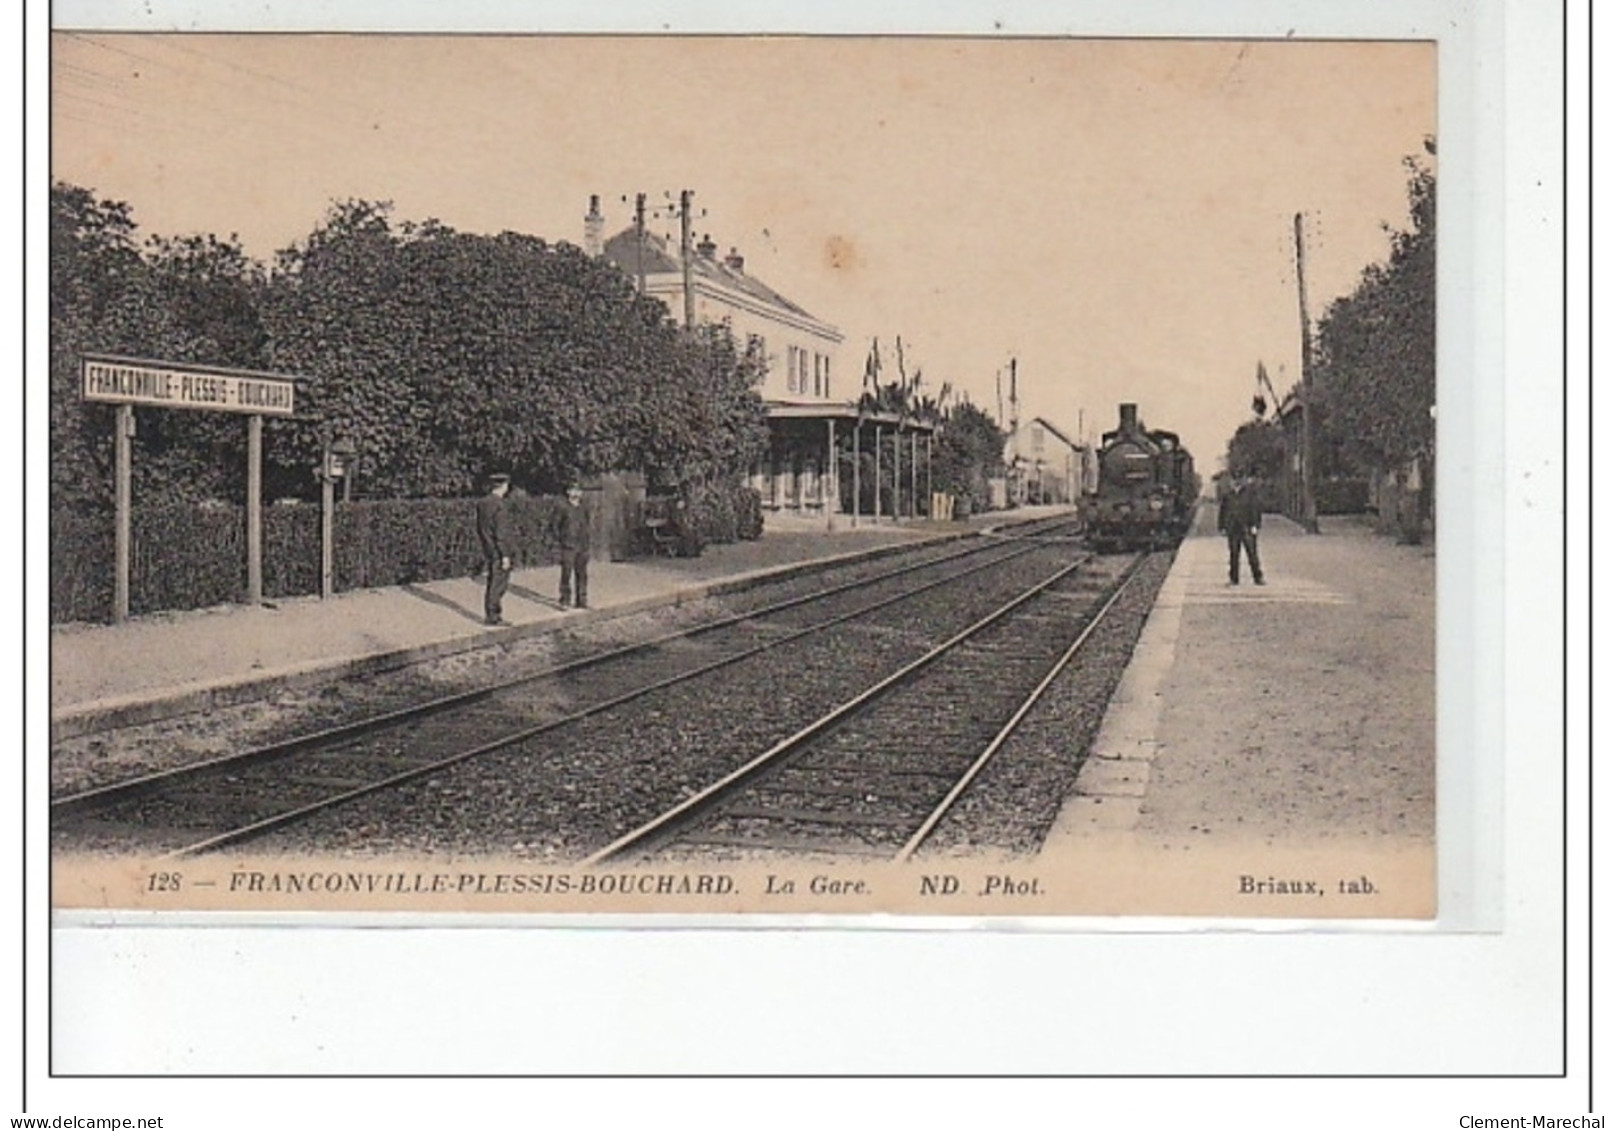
[(236, 798), (876, 775)]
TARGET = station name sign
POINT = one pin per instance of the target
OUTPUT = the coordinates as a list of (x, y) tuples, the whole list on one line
[(134, 382)]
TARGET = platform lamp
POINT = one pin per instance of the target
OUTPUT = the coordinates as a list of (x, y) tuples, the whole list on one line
[(336, 457)]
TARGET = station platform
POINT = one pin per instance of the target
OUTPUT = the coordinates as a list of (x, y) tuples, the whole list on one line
[(1301, 711), (168, 664)]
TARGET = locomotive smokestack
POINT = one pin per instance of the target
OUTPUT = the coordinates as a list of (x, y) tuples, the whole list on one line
[(1129, 418)]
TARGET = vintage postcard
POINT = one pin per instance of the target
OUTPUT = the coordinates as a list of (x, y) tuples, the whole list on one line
[(744, 476)]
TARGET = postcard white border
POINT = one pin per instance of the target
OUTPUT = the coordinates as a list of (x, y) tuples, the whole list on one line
[(148, 1000)]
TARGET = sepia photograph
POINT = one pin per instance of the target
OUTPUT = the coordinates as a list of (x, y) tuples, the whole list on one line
[(675, 543), (743, 474)]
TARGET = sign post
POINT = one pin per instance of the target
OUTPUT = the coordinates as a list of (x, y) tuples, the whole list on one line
[(126, 382), (123, 432), (255, 509)]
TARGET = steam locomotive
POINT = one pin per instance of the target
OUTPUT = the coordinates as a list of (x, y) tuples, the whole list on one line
[(1147, 488)]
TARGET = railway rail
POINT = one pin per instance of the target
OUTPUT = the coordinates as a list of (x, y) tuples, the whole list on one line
[(876, 775), (238, 797)]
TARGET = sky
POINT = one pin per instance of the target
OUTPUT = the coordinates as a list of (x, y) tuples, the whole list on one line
[(1114, 215)]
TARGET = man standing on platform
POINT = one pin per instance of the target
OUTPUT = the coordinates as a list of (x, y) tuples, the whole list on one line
[(493, 531), (1239, 516), (574, 544)]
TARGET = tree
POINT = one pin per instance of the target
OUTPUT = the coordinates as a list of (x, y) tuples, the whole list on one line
[(174, 304), (717, 426), (213, 294), (969, 452), (345, 313), (1376, 358), (95, 269), (440, 354), (1257, 448), (210, 294)]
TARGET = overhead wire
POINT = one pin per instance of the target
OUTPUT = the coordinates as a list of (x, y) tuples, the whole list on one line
[(323, 117)]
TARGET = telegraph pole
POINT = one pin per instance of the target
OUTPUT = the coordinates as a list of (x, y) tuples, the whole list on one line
[(639, 238), (1017, 478), (687, 251), (1309, 506), (1082, 458)]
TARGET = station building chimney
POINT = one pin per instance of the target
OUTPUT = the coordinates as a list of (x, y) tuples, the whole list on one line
[(594, 229)]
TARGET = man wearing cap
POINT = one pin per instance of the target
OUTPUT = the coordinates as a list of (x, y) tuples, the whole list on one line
[(493, 531), (1239, 516), (573, 536)]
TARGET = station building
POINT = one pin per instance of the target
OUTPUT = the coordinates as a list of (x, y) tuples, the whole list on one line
[(1044, 465), (815, 425)]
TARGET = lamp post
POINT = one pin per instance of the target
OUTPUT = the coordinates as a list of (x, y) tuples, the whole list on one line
[(335, 456)]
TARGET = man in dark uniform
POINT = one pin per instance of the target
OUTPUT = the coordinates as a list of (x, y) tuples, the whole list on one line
[(574, 546), (1239, 516), (493, 531)]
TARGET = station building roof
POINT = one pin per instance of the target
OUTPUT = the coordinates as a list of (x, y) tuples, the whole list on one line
[(660, 258)]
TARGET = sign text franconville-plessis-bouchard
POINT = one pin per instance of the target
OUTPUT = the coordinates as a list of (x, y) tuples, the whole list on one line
[(126, 382)]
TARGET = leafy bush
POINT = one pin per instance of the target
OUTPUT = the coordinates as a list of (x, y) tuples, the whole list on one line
[(193, 556), (189, 557), (724, 512), (749, 514), (292, 549), (404, 541), (81, 552), (1342, 496), (180, 557)]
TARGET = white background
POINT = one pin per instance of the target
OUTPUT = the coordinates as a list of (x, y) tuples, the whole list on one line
[(1457, 1004)]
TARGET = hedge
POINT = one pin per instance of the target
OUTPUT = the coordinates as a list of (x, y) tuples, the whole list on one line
[(180, 557), (81, 551), (190, 557)]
